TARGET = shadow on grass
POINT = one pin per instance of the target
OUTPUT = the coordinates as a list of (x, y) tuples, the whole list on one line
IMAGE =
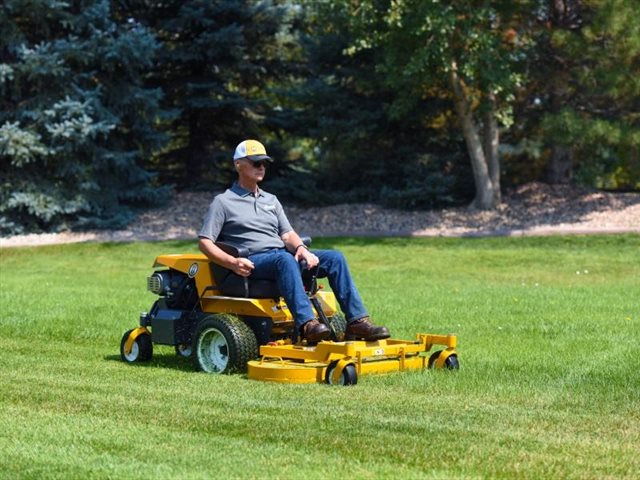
[(173, 362), (169, 362)]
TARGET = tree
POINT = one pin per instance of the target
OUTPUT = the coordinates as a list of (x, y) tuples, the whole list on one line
[(342, 112), (76, 122), (466, 51), (217, 63), (591, 125), (561, 15)]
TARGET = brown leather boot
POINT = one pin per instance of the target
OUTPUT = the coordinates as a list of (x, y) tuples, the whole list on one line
[(363, 329), (313, 331)]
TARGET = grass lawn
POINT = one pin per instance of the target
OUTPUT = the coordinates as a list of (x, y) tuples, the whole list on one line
[(549, 385)]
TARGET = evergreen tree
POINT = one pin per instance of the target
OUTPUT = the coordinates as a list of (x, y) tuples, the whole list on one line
[(76, 122), (590, 122), (217, 63)]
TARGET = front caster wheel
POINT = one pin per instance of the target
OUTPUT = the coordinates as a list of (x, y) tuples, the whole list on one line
[(349, 375), (451, 362), (184, 350), (141, 349)]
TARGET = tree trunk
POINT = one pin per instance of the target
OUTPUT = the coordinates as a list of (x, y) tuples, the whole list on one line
[(485, 196), (565, 15), (559, 168), (491, 143)]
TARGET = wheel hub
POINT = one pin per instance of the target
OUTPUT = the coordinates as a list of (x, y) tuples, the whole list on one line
[(213, 351)]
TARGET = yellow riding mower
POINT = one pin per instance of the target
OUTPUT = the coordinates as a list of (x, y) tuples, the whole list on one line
[(227, 323)]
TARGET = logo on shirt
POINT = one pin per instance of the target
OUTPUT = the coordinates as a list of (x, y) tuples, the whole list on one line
[(269, 208)]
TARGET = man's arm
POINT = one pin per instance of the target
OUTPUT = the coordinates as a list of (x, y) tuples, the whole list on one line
[(294, 244), (239, 265)]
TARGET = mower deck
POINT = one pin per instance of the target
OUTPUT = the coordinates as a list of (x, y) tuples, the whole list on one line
[(343, 362)]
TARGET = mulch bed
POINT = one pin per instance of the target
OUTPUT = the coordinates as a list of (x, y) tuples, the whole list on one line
[(531, 209)]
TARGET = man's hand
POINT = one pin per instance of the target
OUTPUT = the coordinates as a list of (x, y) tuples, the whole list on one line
[(307, 256), (242, 267), (294, 244)]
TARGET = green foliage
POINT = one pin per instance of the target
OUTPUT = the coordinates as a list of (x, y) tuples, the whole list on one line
[(76, 122), (389, 65), (420, 192), (607, 149), (422, 41), (548, 384), (216, 63), (359, 148), (353, 99), (592, 103)]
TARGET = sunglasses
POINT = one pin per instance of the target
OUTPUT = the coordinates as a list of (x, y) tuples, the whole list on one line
[(261, 163)]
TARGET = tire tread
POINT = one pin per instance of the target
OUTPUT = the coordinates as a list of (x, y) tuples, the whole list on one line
[(241, 340)]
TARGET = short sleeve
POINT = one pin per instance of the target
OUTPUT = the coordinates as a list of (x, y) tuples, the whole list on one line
[(213, 220), (283, 222)]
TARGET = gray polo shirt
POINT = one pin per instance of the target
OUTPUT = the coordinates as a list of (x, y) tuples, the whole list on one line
[(244, 220)]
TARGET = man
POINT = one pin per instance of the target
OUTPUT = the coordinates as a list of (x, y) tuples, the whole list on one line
[(248, 217)]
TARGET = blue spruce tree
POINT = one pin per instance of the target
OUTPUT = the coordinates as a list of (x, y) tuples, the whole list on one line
[(77, 124)]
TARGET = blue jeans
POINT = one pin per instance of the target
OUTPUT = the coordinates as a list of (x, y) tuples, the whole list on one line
[(280, 265)]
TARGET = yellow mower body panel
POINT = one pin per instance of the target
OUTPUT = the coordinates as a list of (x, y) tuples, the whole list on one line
[(261, 307), (198, 267)]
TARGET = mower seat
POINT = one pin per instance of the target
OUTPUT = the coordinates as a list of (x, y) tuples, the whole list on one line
[(234, 285)]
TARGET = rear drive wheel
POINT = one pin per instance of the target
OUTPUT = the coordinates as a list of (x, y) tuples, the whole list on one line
[(223, 344), (141, 350)]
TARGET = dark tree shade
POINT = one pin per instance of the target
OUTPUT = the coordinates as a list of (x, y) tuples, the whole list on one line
[(76, 121), (217, 62)]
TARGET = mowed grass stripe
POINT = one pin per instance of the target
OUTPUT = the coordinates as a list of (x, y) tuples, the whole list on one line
[(548, 386)]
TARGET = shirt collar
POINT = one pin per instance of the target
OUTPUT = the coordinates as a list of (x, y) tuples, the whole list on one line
[(238, 190)]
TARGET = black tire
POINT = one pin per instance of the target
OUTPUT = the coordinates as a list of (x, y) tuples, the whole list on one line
[(184, 350), (349, 375), (339, 324), (223, 344), (451, 363), (141, 350)]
